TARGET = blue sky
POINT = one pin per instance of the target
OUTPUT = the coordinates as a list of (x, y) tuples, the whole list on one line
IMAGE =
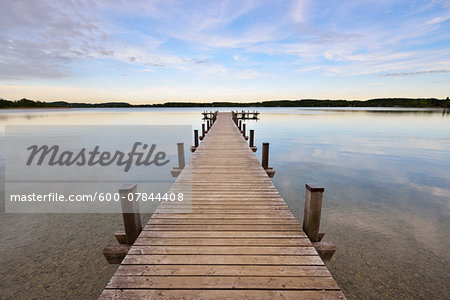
[(156, 51)]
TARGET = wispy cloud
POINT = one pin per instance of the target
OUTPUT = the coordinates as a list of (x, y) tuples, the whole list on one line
[(417, 73)]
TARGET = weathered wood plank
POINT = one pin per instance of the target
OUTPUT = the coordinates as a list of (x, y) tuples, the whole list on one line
[(222, 270), (209, 259), (285, 242), (222, 234), (221, 294), (222, 282), (219, 221), (226, 250), (222, 227)]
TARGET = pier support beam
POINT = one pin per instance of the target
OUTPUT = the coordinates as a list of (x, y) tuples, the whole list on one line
[(193, 148), (244, 129), (203, 132), (114, 254), (265, 160), (252, 140), (181, 161), (311, 220), (130, 213)]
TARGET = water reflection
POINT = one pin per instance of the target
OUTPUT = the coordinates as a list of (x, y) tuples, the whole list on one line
[(386, 203)]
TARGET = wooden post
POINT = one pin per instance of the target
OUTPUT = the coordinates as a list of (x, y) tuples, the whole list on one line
[(195, 138), (181, 163), (193, 148), (181, 160), (252, 140), (240, 126), (208, 125), (203, 132), (265, 160), (265, 156), (313, 209), (244, 129), (130, 212)]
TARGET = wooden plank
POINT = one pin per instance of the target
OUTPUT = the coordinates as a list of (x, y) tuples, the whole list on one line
[(222, 234), (220, 294), (222, 282), (222, 270), (222, 227), (210, 259), (220, 215), (223, 221), (285, 242), (226, 250)]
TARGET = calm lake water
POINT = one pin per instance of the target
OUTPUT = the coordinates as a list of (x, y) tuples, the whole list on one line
[(386, 205)]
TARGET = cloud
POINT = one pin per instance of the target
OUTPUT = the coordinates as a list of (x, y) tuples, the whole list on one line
[(416, 73), (48, 39)]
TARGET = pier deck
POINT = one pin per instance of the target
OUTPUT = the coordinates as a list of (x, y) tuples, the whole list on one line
[(240, 241)]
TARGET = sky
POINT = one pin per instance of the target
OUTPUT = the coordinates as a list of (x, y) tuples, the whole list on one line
[(157, 51)]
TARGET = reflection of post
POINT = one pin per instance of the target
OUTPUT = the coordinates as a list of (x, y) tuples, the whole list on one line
[(130, 212)]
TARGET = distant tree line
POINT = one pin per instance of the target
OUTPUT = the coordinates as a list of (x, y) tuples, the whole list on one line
[(382, 102)]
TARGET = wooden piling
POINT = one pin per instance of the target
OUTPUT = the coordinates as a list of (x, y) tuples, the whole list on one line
[(265, 160), (193, 148), (313, 210), (265, 156), (252, 140), (181, 161), (244, 129), (130, 212), (203, 132)]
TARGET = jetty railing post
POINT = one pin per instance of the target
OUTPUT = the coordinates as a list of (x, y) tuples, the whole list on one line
[(240, 126), (130, 212), (252, 138), (244, 129), (181, 159), (265, 156), (208, 125), (195, 138), (265, 160), (313, 209), (203, 132), (193, 148)]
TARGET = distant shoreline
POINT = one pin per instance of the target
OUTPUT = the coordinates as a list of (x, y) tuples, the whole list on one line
[(43, 107), (381, 102)]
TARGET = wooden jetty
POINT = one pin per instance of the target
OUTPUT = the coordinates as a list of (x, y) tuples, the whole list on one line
[(240, 241)]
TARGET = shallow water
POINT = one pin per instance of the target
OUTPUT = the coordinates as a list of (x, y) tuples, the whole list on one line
[(386, 174)]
